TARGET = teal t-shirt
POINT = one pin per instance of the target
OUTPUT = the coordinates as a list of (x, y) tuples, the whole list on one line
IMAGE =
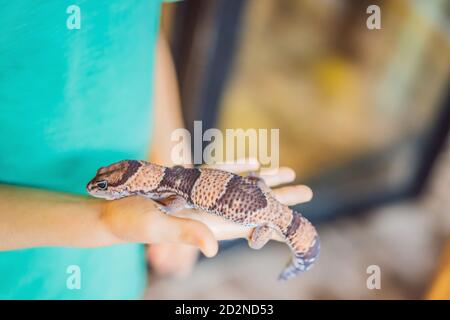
[(72, 100)]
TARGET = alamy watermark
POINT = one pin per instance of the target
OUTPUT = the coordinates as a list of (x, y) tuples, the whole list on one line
[(74, 19), (374, 280), (373, 22), (226, 147), (73, 281)]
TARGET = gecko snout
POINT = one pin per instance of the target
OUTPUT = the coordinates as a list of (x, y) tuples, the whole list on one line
[(89, 186)]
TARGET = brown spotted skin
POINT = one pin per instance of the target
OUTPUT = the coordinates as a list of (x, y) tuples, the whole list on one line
[(243, 200)]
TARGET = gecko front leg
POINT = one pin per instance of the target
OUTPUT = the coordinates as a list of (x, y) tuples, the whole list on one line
[(172, 204)]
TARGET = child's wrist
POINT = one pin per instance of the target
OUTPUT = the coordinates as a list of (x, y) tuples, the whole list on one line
[(104, 213)]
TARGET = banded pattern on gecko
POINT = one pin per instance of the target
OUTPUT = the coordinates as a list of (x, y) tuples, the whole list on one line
[(243, 200)]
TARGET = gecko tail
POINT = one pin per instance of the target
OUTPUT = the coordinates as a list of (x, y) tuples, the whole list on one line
[(301, 262), (304, 242)]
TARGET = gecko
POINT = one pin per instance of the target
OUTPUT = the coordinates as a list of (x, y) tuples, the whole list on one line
[(245, 200)]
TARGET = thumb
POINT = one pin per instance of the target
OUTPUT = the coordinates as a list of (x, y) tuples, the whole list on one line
[(191, 232)]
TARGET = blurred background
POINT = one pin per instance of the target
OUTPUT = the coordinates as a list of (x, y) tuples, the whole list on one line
[(364, 118)]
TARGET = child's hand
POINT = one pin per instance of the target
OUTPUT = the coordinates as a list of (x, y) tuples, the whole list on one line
[(136, 219), (167, 259)]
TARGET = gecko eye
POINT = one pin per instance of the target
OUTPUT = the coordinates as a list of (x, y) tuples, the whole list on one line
[(102, 185)]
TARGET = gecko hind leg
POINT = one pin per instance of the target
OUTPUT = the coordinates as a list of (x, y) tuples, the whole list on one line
[(260, 236), (254, 176), (172, 204), (256, 179)]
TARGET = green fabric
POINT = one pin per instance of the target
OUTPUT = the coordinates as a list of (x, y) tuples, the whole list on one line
[(70, 102)]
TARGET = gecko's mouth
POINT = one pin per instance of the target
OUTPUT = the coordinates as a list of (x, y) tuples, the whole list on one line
[(100, 194)]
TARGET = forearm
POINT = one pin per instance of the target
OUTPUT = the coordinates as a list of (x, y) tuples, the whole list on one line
[(167, 107), (35, 218)]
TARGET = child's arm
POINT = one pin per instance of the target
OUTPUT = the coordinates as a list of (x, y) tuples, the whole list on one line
[(35, 218), (167, 115), (167, 258), (179, 259)]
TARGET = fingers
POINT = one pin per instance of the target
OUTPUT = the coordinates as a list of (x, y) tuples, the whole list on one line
[(292, 195), (172, 259), (188, 231), (221, 228), (238, 166), (135, 219), (271, 176), (274, 177)]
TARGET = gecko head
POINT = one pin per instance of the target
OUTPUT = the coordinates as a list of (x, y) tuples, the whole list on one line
[(113, 181)]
